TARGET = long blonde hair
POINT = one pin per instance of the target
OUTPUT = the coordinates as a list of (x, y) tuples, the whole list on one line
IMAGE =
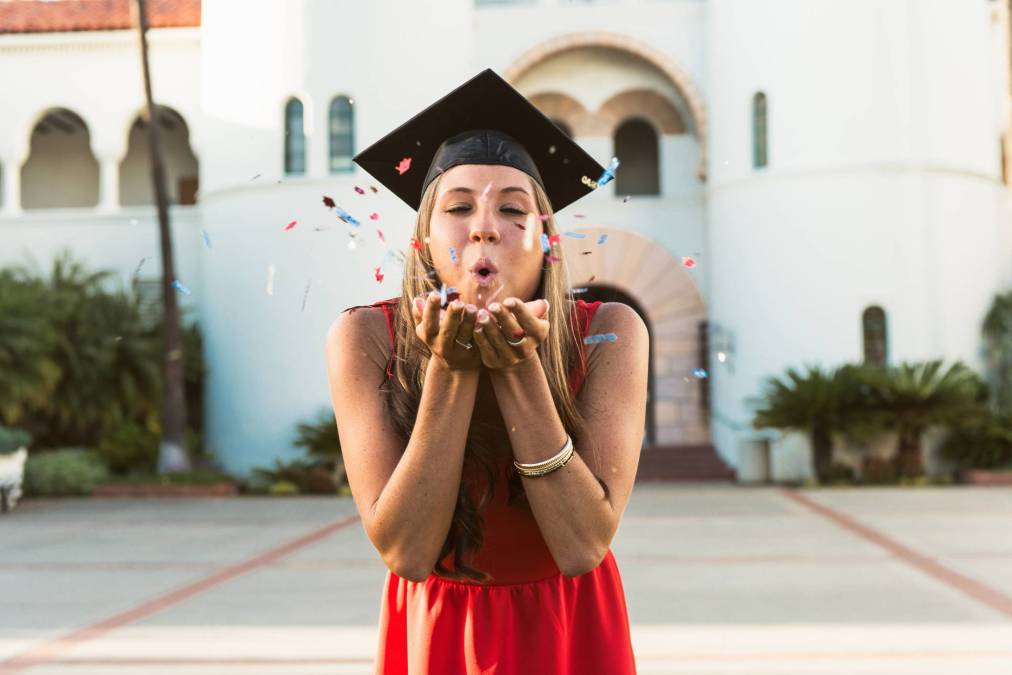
[(560, 353)]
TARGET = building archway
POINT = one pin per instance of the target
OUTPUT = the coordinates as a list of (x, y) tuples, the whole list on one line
[(181, 168), (61, 171), (653, 282)]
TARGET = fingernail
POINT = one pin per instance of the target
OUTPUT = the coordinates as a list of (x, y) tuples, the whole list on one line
[(494, 307), (482, 315), (471, 309), (510, 303), (456, 304)]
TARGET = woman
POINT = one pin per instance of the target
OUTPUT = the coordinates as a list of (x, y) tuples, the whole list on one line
[(492, 465)]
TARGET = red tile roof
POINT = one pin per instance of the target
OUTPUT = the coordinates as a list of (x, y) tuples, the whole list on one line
[(39, 16)]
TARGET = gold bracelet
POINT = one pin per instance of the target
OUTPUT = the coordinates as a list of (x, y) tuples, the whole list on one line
[(549, 465)]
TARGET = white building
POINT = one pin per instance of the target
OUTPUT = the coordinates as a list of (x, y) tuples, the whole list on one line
[(834, 169)]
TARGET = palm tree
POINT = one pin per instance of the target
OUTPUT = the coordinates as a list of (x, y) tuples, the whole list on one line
[(911, 397), (814, 402), (997, 333)]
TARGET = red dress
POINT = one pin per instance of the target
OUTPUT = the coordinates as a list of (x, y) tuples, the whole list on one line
[(531, 620)]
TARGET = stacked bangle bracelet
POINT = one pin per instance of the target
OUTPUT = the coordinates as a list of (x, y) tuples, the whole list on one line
[(549, 465)]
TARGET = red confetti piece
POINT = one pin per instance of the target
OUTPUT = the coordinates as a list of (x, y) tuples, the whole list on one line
[(415, 244), (688, 262), (380, 233), (379, 274), (328, 202), (290, 225), (374, 216), (520, 225), (403, 166), (554, 239), (359, 190)]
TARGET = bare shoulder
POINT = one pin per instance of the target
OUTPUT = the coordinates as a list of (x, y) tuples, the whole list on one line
[(361, 332), (622, 320)]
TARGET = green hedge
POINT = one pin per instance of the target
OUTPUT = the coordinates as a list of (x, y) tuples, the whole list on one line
[(62, 472)]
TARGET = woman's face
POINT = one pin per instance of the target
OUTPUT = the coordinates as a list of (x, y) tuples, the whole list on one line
[(486, 233)]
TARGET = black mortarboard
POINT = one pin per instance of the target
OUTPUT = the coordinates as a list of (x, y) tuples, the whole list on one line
[(483, 121)]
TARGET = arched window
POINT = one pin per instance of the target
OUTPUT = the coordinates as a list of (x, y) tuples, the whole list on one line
[(295, 138), (873, 324), (342, 134), (636, 145), (562, 125), (760, 127), (61, 171)]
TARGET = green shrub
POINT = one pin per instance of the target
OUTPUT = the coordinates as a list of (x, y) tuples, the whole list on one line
[(323, 445), (66, 471), (127, 447), (981, 441), (284, 487), (308, 475)]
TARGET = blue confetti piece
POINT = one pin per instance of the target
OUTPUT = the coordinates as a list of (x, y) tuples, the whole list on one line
[(700, 373), (178, 285), (544, 243), (453, 255), (346, 217), (575, 235), (609, 173), (602, 337), (603, 238), (207, 237), (577, 291)]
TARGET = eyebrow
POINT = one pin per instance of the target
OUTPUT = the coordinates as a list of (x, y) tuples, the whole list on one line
[(471, 192)]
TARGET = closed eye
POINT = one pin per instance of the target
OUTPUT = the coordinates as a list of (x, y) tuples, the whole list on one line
[(506, 209)]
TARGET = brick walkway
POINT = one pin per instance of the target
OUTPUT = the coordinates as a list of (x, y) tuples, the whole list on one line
[(719, 579)]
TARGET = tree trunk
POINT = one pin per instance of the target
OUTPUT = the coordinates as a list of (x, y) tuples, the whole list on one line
[(908, 455), (822, 448)]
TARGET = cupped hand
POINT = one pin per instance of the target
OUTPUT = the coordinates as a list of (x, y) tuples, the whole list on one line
[(525, 323), (447, 333)]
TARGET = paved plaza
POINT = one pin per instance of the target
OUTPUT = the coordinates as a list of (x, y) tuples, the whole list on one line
[(719, 579)]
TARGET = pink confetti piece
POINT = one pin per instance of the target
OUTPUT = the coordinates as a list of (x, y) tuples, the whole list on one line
[(554, 259), (379, 274), (403, 166), (688, 262), (579, 215), (374, 216), (290, 225), (359, 190), (379, 232), (544, 217), (484, 193)]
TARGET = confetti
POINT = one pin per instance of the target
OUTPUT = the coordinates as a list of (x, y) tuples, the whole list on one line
[(551, 149), (290, 225), (328, 202), (178, 285), (415, 244), (270, 279), (529, 232), (359, 190), (579, 215), (575, 235), (543, 217), (207, 237), (520, 225), (403, 166), (688, 262), (139, 265), (374, 216), (544, 243), (379, 274), (554, 259), (603, 238), (379, 233), (592, 277), (484, 193), (554, 239), (345, 216), (254, 177), (609, 173), (585, 252), (700, 373), (447, 295), (305, 294), (453, 255), (373, 188), (600, 337), (577, 291)]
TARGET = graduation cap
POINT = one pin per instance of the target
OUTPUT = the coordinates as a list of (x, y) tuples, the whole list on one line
[(483, 121)]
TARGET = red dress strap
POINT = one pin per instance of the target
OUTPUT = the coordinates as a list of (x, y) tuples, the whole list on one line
[(584, 315), (389, 308)]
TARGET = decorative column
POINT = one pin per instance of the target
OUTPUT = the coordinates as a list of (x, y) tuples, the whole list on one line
[(108, 183), (11, 177)]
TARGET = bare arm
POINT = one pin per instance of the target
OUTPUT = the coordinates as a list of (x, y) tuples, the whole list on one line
[(576, 520), (406, 499)]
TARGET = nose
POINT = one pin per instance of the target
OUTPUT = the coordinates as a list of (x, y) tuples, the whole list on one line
[(484, 231)]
